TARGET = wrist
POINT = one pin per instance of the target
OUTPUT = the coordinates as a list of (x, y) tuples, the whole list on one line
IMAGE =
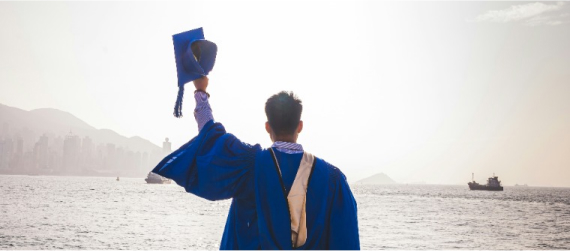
[(204, 91)]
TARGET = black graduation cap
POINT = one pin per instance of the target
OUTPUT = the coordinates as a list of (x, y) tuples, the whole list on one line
[(195, 57)]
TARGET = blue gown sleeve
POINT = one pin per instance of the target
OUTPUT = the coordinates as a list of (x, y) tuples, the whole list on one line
[(214, 165), (343, 219)]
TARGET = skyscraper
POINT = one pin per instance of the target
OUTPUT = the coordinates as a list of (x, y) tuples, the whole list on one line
[(166, 146), (87, 148), (41, 153), (71, 146), (6, 152)]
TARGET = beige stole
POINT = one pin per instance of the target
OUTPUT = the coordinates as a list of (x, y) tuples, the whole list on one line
[(297, 199)]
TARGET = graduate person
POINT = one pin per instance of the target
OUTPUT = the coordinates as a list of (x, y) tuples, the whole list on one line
[(282, 196)]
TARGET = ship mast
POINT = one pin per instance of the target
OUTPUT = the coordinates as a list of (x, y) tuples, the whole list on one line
[(473, 177)]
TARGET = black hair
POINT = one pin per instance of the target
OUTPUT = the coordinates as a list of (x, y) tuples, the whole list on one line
[(283, 112)]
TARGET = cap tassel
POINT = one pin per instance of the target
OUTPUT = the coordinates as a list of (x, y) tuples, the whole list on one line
[(178, 106)]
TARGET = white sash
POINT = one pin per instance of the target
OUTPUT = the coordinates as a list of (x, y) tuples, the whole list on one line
[(297, 199)]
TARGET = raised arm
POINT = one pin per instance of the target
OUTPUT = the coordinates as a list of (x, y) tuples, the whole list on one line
[(214, 165), (203, 112)]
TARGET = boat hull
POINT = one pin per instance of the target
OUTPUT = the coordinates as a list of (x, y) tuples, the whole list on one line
[(153, 181), (484, 187), (154, 178)]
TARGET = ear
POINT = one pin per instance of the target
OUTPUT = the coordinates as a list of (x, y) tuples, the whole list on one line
[(267, 127), (300, 126)]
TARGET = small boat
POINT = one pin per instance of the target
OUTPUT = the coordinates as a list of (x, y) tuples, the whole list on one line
[(153, 178), (493, 184), (117, 178)]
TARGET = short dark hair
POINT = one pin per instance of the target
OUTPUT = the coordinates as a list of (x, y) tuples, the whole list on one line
[(283, 112)]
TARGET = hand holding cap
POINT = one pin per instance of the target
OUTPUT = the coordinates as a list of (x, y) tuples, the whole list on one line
[(195, 57)]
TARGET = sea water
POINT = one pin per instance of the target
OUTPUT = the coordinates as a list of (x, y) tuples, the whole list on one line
[(44, 212)]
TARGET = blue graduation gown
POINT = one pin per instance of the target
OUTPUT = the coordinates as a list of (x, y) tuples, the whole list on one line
[(215, 165)]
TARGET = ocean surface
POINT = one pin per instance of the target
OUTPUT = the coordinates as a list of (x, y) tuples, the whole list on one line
[(44, 212)]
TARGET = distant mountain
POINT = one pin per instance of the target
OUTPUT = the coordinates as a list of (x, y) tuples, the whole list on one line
[(34, 123), (58, 118), (377, 179)]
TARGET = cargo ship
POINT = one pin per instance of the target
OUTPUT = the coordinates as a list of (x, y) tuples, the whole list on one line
[(493, 184), (154, 178)]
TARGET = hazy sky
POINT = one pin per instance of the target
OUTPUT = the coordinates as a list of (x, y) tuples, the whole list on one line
[(422, 91)]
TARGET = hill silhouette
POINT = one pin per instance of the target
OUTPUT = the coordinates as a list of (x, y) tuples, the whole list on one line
[(377, 179)]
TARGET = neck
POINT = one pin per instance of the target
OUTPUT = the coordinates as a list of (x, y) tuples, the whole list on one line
[(288, 138)]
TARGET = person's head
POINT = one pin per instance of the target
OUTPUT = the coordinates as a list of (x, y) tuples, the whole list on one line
[(283, 112)]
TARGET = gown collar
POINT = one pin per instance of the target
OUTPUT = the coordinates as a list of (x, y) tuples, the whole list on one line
[(288, 147)]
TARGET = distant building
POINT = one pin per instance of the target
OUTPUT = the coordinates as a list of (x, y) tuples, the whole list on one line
[(19, 146), (6, 152), (41, 157), (166, 146), (87, 148), (120, 160), (29, 138), (18, 154), (71, 147), (109, 156), (129, 160), (57, 145)]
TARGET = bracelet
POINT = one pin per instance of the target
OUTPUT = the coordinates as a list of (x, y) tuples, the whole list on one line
[(208, 94)]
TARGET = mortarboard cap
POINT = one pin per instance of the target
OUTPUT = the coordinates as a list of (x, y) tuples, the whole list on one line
[(195, 57)]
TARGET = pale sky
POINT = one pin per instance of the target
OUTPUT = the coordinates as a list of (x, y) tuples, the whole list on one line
[(422, 91)]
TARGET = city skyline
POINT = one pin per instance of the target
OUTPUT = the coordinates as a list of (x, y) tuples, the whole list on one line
[(50, 151), (74, 155)]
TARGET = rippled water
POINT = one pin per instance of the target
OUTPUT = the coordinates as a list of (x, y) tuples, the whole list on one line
[(39, 212)]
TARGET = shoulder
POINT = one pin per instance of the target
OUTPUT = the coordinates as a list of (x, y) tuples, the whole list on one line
[(238, 146), (333, 173), (214, 137)]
